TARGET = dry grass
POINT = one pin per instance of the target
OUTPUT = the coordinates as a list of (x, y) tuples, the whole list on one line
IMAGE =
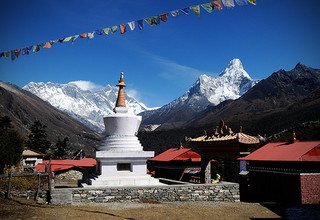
[(26, 209)]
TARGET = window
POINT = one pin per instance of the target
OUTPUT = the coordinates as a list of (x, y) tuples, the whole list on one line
[(124, 167)]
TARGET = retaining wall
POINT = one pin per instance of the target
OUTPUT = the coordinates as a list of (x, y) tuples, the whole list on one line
[(195, 192)]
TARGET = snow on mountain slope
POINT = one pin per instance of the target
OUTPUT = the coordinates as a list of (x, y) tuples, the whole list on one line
[(87, 106), (233, 82)]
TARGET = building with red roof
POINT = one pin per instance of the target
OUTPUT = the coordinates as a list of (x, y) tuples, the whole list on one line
[(287, 172), (58, 166), (181, 164)]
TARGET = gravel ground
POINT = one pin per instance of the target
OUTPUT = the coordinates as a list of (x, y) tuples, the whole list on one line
[(27, 209)]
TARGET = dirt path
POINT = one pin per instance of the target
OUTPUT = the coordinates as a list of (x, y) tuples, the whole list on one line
[(26, 209)]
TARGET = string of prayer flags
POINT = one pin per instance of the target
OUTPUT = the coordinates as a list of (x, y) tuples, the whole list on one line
[(196, 9), (152, 21)]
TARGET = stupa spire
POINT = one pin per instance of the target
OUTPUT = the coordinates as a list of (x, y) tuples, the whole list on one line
[(121, 99)]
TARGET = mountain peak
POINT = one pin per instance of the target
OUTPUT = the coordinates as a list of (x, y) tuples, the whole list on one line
[(236, 63), (235, 70)]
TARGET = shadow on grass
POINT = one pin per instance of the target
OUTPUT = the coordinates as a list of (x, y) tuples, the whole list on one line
[(288, 211)]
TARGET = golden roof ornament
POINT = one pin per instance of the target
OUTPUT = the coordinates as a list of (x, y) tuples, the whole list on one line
[(121, 99)]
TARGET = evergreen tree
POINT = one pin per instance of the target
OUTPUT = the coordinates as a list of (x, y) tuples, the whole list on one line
[(38, 138), (11, 144), (61, 148)]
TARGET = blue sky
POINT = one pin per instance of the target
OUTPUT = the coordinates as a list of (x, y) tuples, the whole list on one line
[(160, 62)]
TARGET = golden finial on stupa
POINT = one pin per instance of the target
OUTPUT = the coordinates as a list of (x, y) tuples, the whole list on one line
[(121, 99)]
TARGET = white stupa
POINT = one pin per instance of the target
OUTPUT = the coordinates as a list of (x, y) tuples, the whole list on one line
[(121, 158)]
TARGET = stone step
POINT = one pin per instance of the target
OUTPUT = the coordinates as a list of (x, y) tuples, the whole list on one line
[(61, 196)]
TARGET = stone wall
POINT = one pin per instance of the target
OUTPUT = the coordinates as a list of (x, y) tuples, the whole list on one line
[(310, 188), (218, 192)]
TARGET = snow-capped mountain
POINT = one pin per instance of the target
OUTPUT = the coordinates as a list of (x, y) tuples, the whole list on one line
[(233, 82), (87, 106)]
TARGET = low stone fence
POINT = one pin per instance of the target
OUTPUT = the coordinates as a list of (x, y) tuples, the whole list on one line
[(193, 192)]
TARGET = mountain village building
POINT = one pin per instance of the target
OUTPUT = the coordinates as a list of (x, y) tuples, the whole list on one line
[(31, 158), (286, 172), (182, 164), (224, 146)]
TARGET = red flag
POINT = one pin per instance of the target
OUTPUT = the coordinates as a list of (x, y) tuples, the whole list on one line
[(217, 4), (122, 28), (164, 17), (47, 45), (84, 35)]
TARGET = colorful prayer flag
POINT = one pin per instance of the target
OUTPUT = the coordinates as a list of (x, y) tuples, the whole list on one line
[(122, 28), (99, 32), (132, 25), (207, 6), (36, 48), (140, 24), (106, 30), (242, 2), (90, 35), (228, 3), (164, 17), (185, 11), (74, 38), (196, 9), (252, 2), (114, 29), (67, 39), (25, 51), (83, 35), (217, 4), (174, 13), (47, 45), (6, 54), (154, 20), (13, 55)]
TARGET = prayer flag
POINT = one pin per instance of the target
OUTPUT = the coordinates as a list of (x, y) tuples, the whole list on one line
[(74, 38), (217, 4), (164, 17), (17, 52), (122, 28), (207, 7), (47, 45), (13, 55), (228, 3), (114, 29), (36, 48), (83, 35), (2, 54), (185, 11), (66, 39), (6, 54), (154, 20), (242, 2), (252, 2), (106, 30), (174, 13), (140, 24), (91, 35), (196, 9), (132, 25), (25, 51), (99, 32)]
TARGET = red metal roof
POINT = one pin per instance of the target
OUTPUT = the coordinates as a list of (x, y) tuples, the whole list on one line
[(177, 154), (282, 151), (57, 165)]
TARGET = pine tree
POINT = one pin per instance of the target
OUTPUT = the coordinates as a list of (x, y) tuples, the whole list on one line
[(11, 144), (38, 138), (61, 148)]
